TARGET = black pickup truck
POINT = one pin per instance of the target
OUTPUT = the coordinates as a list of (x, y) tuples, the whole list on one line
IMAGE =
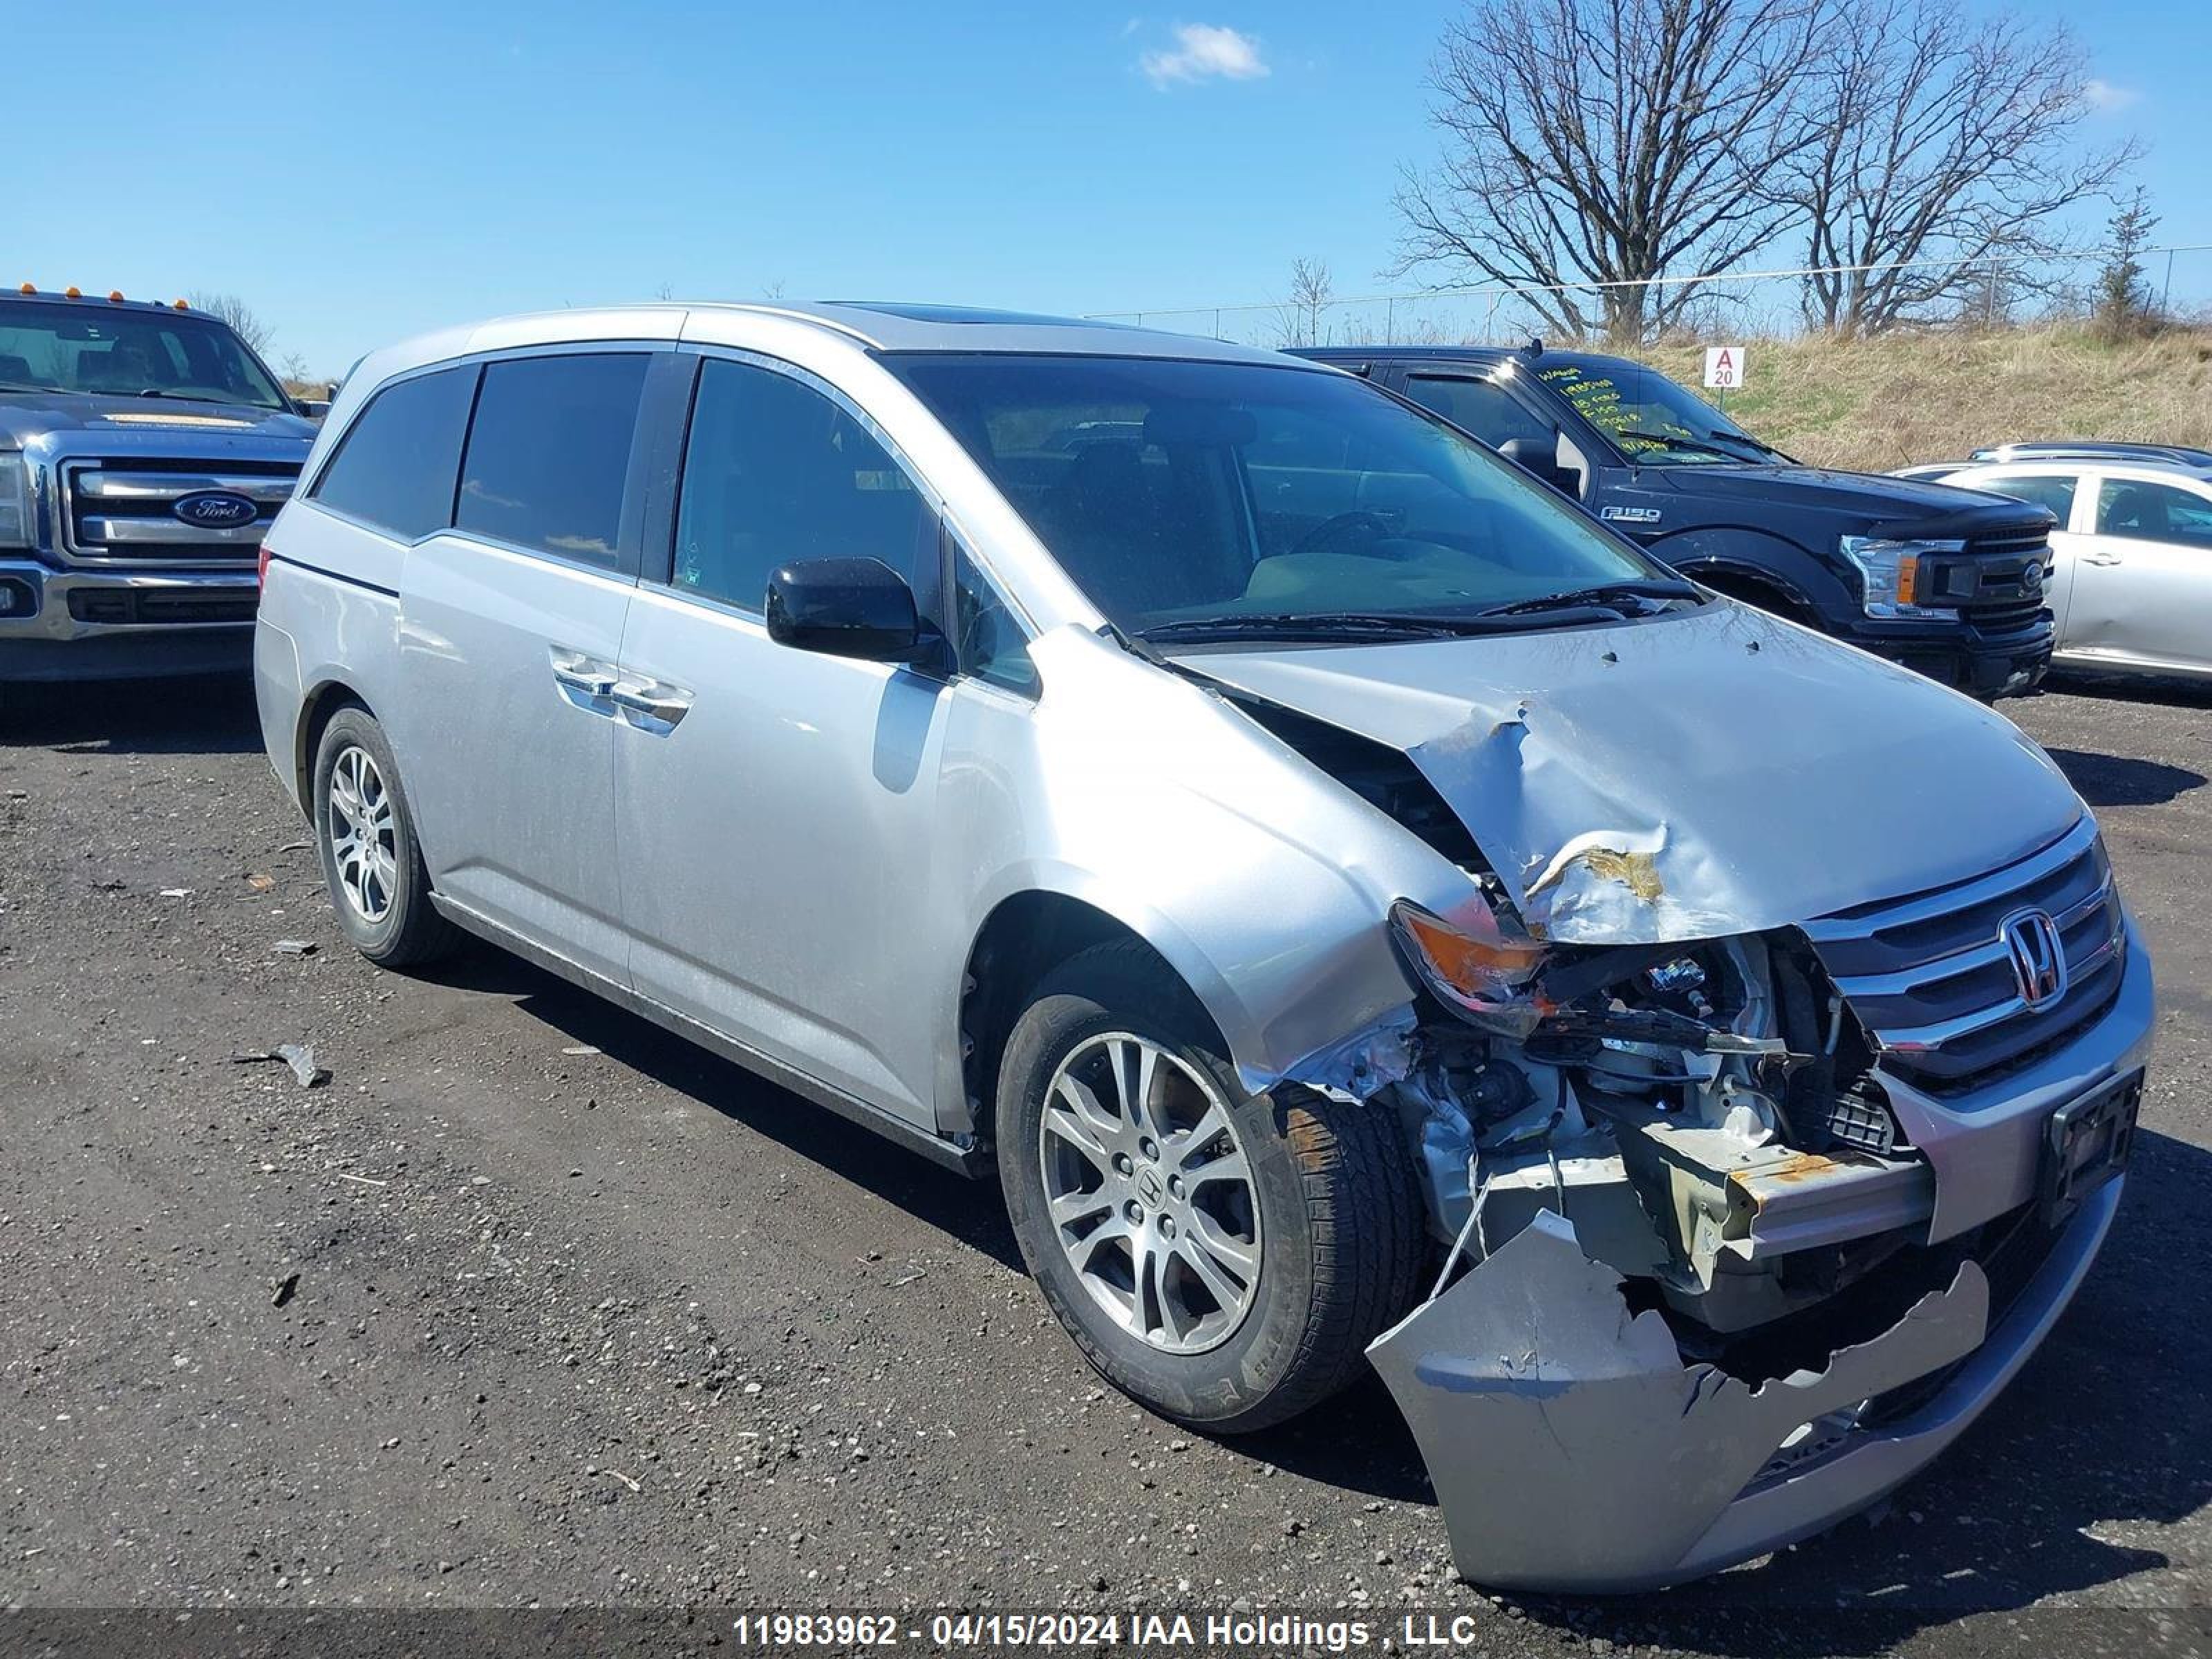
[(1948, 582)]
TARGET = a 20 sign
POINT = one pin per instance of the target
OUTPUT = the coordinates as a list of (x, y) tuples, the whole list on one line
[(1724, 367)]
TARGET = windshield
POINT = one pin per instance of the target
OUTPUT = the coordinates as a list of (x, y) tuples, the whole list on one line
[(1655, 420), (1174, 493), (114, 352)]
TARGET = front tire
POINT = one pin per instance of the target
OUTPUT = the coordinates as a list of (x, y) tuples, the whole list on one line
[(1222, 1257), (372, 862)]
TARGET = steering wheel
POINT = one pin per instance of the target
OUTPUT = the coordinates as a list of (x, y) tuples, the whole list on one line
[(1376, 525)]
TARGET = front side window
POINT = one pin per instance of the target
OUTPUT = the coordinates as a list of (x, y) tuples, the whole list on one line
[(1655, 421), (395, 466), (2153, 512), (775, 471), (549, 453), (1178, 492), (110, 351), (987, 637)]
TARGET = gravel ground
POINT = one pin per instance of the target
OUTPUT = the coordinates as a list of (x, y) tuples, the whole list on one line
[(530, 1303)]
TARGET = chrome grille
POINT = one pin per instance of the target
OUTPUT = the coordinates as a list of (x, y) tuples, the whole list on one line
[(1931, 980), (118, 510)]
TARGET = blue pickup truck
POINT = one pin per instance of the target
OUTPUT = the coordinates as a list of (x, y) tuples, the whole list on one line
[(143, 450), (1948, 582)]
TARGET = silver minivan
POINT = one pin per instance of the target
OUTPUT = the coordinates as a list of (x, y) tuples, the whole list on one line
[(1360, 909)]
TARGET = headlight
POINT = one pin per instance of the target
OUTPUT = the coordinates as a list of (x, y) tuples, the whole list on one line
[(1892, 570), (15, 501), (1473, 975)]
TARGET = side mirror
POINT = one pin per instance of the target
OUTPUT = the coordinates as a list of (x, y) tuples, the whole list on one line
[(844, 608), (1539, 456)]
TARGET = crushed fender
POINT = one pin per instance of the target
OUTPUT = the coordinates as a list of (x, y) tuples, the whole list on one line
[(1570, 1447), (1367, 1062)]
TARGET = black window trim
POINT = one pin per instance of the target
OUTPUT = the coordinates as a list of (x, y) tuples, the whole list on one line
[(659, 568)]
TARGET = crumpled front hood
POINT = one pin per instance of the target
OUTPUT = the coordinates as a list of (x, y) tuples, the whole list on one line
[(24, 415), (1690, 776)]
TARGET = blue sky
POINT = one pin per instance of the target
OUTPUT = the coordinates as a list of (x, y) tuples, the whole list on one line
[(359, 172)]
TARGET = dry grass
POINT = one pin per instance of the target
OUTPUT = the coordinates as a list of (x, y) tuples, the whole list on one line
[(1890, 402)]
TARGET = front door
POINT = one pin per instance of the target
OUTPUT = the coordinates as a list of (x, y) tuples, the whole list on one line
[(510, 629), (776, 806), (2142, 580)]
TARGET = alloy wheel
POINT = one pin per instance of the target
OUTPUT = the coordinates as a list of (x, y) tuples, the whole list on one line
[(1149, 1193), (363, 833)]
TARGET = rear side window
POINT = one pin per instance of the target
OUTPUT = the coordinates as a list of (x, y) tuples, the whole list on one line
[(1492, 414), (775, 471), (2054, 494), (549, 453), (395, 465)]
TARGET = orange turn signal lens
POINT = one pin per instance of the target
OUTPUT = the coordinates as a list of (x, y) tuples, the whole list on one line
[(1457, 963), (1908, 580)]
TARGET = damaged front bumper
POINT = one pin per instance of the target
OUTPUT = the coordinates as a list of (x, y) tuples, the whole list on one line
[(1629, 1470)]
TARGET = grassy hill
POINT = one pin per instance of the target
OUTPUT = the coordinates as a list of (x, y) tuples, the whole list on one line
[(1894, 400)]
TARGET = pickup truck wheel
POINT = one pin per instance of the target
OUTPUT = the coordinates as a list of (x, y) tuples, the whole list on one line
[(372, 862), (1224, 1257)]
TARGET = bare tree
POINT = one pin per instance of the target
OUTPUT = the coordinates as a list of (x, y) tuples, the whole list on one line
[(229, 309), (1609, 141), (1298, 320), (1946, 147)]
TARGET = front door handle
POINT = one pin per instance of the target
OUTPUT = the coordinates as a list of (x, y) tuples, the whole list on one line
[(2101, 558), (666, 704)]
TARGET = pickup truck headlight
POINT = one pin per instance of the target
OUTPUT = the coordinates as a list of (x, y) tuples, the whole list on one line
[(1891, 572), (15, 501)]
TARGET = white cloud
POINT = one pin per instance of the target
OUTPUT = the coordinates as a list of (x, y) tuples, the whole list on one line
[(2104, 95), (1203, 51)]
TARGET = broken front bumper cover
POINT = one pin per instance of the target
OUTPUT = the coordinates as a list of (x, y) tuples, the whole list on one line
[(1571, 1449)]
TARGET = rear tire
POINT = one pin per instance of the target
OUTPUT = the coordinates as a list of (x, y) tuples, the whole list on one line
[(1324, 1205), (372, 862)]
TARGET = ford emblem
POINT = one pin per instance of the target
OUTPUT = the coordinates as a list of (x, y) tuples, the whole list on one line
[(215, 509)]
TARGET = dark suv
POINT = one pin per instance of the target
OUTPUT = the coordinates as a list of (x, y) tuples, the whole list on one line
[(1948, 582)]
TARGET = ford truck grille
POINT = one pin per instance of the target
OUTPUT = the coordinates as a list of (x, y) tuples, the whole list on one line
[(121, 511), (1933, 979)]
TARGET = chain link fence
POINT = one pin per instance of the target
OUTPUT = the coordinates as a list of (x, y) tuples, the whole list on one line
[(2175, 283)]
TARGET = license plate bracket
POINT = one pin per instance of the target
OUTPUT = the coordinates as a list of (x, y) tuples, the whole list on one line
[(2087, 1142)]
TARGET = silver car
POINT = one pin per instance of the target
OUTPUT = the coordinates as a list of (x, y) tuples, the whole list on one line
[(2131, 587), (1359, 908)]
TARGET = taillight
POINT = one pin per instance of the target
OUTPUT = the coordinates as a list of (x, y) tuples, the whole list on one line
[(262, 575)]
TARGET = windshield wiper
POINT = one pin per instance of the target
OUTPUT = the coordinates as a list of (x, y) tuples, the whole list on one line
[(1317, 625), (1607, 596), (29, 385)]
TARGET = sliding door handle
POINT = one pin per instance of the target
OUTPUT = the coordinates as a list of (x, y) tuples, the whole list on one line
[(662, 703), (591, 682)]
